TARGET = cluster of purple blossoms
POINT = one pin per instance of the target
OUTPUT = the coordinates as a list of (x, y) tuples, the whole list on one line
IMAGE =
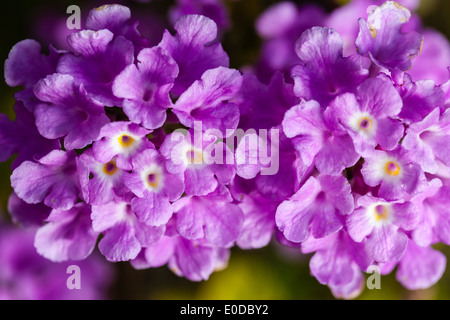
[(369, 146), (362, 148), (95, 152)]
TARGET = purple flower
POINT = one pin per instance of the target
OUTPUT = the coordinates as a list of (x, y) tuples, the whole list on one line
[(131, 144), (200, 159), (52, 179), (324, 73), (212, 217), (123, 234), (154, 188), (419, 98), (272, 160), (156, 254), (197, 259), (69, 112), (396, 174), (381, 226), (25, 66), (318, 138), (429, 141), (434, 208), (434, 56), (263, 106), (121, 140), (22, 137), (338, 262), (381, 37), (209, 100), (99, 182), (259, 221), (352, 11), (259, 214), (193, 259), (27, 215), (194, 49), (97, 60), (369, 117), (145, 87), (420, 267), (117, 19), (316, 208), (68, 235)]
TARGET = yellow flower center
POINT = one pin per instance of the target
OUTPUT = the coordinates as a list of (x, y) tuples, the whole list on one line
[(381, 212), (194, 156), (365, 123), (373, 31), (125, 140), (153, 180), (110, 168), (391, 168)]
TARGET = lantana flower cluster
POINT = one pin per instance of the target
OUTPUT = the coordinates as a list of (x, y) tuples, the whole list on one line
[(361, 149)]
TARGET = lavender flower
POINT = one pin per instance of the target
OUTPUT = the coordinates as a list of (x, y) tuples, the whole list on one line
[(434, 214), (53, 179), (420, 267), (97, 59), (194, 50), (147, 104), (99, 182), (193, 259), (193, 160), (369, 117), (338, 262), (207, 101), (259, 214), (419, 98), (25, 66), (117, 19), (319, 138), (22, 137), (382, 39), (273, 161), (381, 225), (393, 171), (70, 112), (324, 73), (141, 148), (263, 106), (124, 234), (68, 234), (120, 140), (154, 188), (428, 141), (212, 217), (315, 208)]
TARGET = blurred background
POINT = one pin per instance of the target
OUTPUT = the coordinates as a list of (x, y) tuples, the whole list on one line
[(274, 272)]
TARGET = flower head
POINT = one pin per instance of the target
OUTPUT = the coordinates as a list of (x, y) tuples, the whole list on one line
[(381, 37), (381, 226), (324, 73)]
